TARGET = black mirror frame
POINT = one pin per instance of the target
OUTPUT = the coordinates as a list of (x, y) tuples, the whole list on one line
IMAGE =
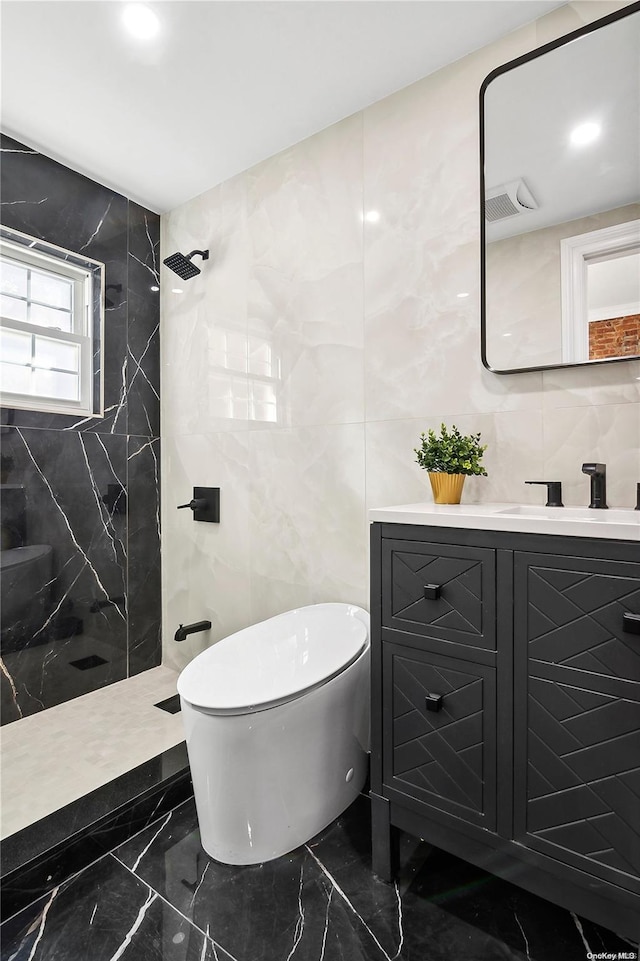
[(505, 68)]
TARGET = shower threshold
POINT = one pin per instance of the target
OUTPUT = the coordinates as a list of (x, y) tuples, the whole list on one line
[(88, 795)]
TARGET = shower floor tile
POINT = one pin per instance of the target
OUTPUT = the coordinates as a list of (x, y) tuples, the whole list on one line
[(74, 748), (159, 897)]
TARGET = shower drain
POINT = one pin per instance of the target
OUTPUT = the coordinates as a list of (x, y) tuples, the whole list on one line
[(171, 705), (87, 663)]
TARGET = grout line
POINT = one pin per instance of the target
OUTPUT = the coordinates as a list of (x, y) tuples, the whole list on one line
[(189, 921), (150, 825), (60, 887), (148, 845)]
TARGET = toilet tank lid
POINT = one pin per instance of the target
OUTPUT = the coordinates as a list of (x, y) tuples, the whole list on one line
[(276, 660)]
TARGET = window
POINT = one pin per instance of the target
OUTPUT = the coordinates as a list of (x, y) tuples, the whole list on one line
[(50, 327), (599, 275), (245, 374)]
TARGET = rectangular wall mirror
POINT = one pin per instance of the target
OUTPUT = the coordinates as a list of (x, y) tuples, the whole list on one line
[(560, 185)]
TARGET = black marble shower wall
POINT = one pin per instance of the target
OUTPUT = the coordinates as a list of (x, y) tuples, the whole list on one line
[(85, 611)]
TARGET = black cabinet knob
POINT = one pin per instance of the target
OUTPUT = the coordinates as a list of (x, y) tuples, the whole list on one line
[(433, 702), (432, 592)]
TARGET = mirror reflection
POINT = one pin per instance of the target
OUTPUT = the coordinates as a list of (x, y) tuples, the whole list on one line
[(561, 193)]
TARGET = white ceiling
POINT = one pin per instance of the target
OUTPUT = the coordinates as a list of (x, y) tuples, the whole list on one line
[(227, 84)]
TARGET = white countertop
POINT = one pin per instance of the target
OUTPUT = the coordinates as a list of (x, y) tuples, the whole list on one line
[(612, 524)]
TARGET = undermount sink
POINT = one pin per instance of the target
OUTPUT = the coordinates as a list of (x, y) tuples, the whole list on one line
[(610, 515)]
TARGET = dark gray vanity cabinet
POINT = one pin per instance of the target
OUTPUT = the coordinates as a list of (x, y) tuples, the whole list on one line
[(577, 742), (506, 709)]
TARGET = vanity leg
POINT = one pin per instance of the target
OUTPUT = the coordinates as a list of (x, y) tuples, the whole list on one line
[(384, 840)]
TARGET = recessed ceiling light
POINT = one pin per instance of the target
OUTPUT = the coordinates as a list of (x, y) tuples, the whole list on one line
[(140, 21), (154, 288), (463, 294), (585, 133), (176, 290), (372, 216)]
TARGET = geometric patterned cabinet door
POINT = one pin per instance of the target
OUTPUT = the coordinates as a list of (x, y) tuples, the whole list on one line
[(440, 590), (582, 779), (577, 684), (572, 613), (439, 743)]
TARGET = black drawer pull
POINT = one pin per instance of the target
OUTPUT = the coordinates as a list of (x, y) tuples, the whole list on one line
[(433, 702), (631, 623), (432, 592)]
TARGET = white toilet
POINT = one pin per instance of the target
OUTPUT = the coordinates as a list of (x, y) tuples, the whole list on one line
[(277, 729)]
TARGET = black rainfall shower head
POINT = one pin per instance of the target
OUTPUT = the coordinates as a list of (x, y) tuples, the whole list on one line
[(182, 265)]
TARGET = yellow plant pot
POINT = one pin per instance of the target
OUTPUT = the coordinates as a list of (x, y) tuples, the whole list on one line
[(447, 488)]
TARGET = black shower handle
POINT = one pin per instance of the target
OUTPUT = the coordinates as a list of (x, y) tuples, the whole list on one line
[(197, 504)]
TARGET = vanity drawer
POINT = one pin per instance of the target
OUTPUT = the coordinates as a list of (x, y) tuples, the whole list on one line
[(439, 730), (440, 590), (577, 613)]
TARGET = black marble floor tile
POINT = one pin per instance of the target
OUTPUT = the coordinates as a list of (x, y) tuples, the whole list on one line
[(321, 899), (42, 855), (538, 928), (102, 914), (439, 908), (321, 902), (279, 902)]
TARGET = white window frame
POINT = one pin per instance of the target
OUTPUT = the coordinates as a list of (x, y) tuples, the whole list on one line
[(575, 255), (56, 262)]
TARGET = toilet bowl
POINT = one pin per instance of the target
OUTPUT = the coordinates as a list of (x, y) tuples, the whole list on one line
[(277, 729)]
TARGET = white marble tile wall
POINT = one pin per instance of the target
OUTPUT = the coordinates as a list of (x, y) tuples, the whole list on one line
[(325, 333)]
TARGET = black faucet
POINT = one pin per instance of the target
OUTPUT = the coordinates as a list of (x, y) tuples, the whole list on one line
[(554, 492), (184, 629), (598, 475)]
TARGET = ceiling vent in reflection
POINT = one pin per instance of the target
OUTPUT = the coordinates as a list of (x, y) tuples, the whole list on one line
[(508, 200)]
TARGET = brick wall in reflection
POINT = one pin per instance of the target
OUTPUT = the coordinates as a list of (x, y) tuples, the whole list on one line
[(617, 337)]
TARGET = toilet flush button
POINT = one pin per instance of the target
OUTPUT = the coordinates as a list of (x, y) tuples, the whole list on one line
[(349, 775)]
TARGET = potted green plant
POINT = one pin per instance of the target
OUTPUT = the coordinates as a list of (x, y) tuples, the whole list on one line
[(450, 457)]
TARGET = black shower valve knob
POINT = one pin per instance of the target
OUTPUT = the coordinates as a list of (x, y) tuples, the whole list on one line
[(205, 504), (196, 504)]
